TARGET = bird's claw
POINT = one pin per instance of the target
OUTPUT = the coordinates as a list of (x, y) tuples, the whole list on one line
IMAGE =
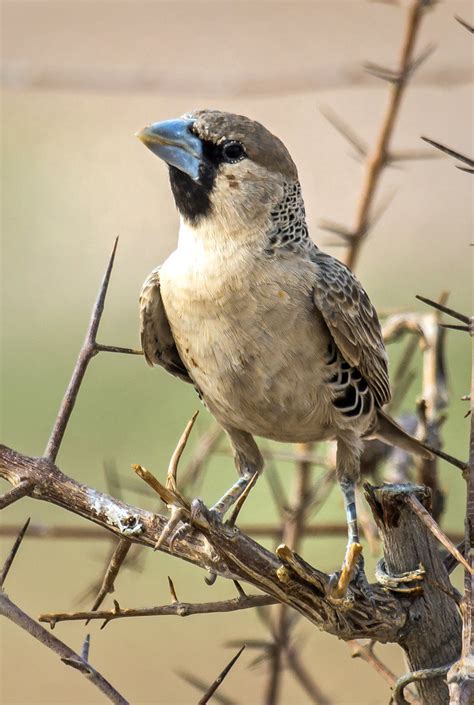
[(169, 530), (212, 516), (176, 529), (352, 572), (409, 582)]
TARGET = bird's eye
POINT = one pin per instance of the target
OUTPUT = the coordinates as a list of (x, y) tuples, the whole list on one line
[(233, 151)]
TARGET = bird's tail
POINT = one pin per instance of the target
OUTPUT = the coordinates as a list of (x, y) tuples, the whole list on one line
[(390, 432), (387, 430)]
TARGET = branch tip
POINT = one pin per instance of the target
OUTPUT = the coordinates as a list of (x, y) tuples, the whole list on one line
[(174, 597), (435, 529), (444, 309), (240, 502), (86, 648), (14, 550), (176, 457), (86, 353), (213, 687), (22, 489)]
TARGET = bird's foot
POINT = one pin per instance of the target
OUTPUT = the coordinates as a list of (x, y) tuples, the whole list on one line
[(178, 527), (352, 571), (214, 515), (405, 582), (172, 528)]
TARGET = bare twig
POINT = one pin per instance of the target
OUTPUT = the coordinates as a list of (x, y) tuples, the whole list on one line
[(378, 158), (22, 489), (465, 24), (415, 676), (176, 608), (115, 563), (205, 446), (12, 612), (87, 352), (201, 685), (11, 556), (89, 349), (365, 651), (450, 562), (166, 495), (214, 686), (178, 452), (86, 648), (432, 526), (452, 153), (240, 502), (117, 349), (174, 597), (444, 309)]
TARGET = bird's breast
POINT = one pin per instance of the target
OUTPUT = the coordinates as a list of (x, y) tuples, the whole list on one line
[(247, 330)]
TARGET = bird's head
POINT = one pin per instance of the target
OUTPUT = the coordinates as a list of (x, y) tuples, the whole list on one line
[(223, 167)]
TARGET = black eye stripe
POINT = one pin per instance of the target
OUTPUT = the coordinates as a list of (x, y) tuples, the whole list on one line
[(228, 152), (193, 198)]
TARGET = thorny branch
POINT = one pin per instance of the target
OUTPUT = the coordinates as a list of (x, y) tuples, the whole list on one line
[(214, 686), (413, 677), (224, 551), (69, 657), (179, 609), (89, 349), (365, 651), (115, 563), (379, 157)]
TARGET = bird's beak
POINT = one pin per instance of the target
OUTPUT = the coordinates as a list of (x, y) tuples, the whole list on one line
[(173, 141)]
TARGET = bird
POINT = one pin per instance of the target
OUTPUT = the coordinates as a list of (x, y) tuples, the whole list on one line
[(278, 337)]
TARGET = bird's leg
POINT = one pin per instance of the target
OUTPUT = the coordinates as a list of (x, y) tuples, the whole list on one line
[(347, 471), (348, 490), (233, 493), (248, 461), (353, 563)]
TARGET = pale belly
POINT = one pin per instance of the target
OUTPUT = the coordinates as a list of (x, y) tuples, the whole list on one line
[(255, 349)]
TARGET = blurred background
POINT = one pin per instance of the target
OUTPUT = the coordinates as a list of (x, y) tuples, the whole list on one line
[(79, 79)]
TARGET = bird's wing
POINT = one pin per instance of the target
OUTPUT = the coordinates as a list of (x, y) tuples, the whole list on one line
[(156, 336), (352, 322)]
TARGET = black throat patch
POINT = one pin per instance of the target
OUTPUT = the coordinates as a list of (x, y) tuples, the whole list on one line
[(193, 198)]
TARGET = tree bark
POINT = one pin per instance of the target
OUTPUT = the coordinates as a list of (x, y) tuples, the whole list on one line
[(431, 637)]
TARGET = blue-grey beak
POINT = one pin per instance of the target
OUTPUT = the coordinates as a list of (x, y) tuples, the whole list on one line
[(173, 141)]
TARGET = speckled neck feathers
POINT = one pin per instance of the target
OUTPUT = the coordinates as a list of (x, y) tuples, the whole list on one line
[(289, 229)]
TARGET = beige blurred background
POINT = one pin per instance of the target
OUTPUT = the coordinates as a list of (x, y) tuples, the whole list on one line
[(79, 78)]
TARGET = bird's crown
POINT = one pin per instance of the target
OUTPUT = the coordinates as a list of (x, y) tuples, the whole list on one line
[(261, 146)]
